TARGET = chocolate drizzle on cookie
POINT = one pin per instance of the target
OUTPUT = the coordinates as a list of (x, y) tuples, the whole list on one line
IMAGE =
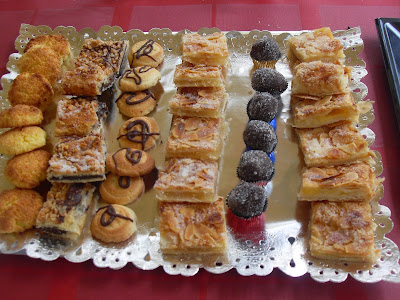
[(132, 95), (135, 74), (138, 136), (124, 182), (74, 195), (110, 210), (134, 156), (145, 50)]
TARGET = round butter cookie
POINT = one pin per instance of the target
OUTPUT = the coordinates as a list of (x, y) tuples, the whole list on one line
[(19, 209), (139, 79), (20, 115), (31, 89), (114, 224), (57, 43), (136, 104), (29, 169), (139, 133), (121, 189), (146, 53), (43, 60), (130, 162), (21, 140)]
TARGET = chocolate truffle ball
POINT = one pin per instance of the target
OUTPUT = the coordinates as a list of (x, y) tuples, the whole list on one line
[(269, 80), (255, 165), (259, 135), (266, 49), (247, 200), (262, 106)]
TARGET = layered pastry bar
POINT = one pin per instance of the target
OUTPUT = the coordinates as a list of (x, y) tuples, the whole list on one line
[(64, 213), (332, 145), (78, 159), (96, 68), (189, 75), (318, 78), (343, 231), (316, 45), (199, 102), (310, 113), (187, 179), (356, 182), (80, 117), (192, 227), (200, 138), (209, 49)]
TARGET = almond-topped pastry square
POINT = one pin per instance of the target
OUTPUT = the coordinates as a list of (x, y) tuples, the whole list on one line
[(318, 78), (80, 117), (96, 68), (199, 102), (310, 113), (64, 213), (192, 227), (317, 45), (78, 160), (189, 75), (343, 231), (356, 182), (194, 137), (334, 144), (187, 180), (209, 49)]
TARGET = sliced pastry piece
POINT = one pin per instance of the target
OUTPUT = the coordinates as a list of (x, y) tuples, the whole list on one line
[(64, 213), (189, 75), (210, 49), (80, 117), (343, 231), (356, 182), (187, 179), (199, 102), (78, 159), (318, 78), (200, 138), (192, 227), (310, 113), (332, 145), (96, 68)]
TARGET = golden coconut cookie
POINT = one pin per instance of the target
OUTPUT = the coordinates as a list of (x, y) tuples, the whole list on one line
[(21, 140), (57, 43), (121, 189), (146, 53), (136, 104), (20, 115), (130, 162), (139, 79), (139, 133)]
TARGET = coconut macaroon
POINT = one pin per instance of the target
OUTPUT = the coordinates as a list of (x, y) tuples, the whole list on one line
[(20, 115), (21, 140)]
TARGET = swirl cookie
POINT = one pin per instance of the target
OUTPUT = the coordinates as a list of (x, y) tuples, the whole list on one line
[(146, 53), (114, 224), (31, 89), (21, 140), (139, 133), (139, 79), (121, 189), (130, 162), (19, 209), (136, 104), (28, 170), (20, 115)]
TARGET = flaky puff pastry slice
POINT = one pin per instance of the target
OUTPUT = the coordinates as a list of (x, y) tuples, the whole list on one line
[(356, 182), (343, 231), (189, 75), (332, 145)]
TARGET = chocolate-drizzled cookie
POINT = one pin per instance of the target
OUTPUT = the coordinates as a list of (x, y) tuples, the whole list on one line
[(146, 53), (136, 104), (139, 79), (130, 162), (121, 189)]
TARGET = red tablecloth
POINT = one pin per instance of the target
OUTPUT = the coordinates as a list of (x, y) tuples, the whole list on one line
[(26, 278)]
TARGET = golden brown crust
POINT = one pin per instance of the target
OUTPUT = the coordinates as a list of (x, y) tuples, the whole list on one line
[(136, 104), (57, 43), (146, 53), (19, 209), (21, 140), (189, 75), (119, 230), (343, 231), (139, 133), (121, 190), (20, 115), (192, 227), (139, 79), (27, 170), (31, 89), (130, 162)]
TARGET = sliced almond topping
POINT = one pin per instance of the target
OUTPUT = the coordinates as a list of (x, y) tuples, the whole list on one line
[(187, 212), (192, 123), (215, 218), (189, 232), (178, 130), (204, 132)]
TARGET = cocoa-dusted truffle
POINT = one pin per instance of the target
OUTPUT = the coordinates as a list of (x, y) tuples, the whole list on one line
[(259, 135), (255, 165), (268, 80), (265, 52), (247, 200), (262, 106)]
